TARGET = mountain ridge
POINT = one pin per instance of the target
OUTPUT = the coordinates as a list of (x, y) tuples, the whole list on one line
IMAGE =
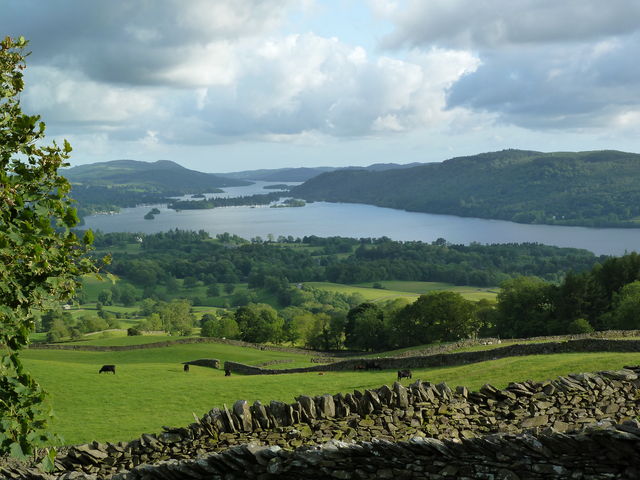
[(302, 174), (593, 188), (166, 175)]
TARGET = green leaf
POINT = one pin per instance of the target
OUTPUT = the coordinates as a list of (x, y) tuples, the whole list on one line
[(16, 451), (48, 462)]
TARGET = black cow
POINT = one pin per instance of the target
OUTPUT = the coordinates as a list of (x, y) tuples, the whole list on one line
[(186, 367), (227, 373), (404, 374), (108, 368)]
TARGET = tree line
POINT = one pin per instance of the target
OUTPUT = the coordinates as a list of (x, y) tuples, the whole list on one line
[(165, 257), (272, 308), (257, 199), (607, 297)]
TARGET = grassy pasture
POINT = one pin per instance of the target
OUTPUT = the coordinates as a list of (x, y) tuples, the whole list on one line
[(406, 289), (151, 390)]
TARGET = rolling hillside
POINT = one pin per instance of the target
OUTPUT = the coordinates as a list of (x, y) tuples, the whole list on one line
[(162, 176), (600, 188), (107, 186), (302, 174)]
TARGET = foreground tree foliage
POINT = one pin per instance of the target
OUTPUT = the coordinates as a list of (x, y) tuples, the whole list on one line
[(40, 259)]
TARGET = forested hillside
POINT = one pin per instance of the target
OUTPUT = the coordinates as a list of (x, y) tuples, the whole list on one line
[(126, 183), (600, 188), (302, 174)]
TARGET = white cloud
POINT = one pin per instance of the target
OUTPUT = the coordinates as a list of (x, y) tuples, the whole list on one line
[(158, 76), (63, 96), (308, 83), (273, 89), (384, 8)]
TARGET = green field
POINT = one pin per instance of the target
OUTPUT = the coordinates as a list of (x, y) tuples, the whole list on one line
[(402, 289), (151, 390)]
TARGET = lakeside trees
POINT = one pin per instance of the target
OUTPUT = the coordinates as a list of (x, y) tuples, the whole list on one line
[(179, 254)]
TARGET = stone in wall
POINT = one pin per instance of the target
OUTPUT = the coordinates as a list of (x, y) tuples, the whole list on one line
[(204, 362), (396, 414), (591, 453)]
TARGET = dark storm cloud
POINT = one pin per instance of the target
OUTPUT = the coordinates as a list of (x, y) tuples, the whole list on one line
[(554, 88), (133, 42), (494, 23)]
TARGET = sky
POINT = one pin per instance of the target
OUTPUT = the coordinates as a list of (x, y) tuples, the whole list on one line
[(230, 85)]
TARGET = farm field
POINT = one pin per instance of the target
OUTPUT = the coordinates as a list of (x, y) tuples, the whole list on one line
[(402, 289), (151, 390)]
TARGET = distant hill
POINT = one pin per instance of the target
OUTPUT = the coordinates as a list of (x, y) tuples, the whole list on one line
[(599, 188), (162, 176), (302, 174), (107, 186)]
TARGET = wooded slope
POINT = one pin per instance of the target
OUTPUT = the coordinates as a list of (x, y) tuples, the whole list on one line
[(600, 188)]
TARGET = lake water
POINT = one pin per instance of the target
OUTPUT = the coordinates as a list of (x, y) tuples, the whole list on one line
[(356, 220)]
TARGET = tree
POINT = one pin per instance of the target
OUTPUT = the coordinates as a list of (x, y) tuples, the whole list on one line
[(243, 297), (259, 323), (435, 317), (524, 307), (40, 258), (626, 303), (152, 323), (213, 290), (222, 327), (580, 325), (56, 314), (105, 297), (57, 331), (176, 317), (365, 327), (127, 297)]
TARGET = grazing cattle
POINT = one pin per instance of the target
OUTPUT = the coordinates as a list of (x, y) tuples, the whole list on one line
[(359, 367), (186, 367), (108, 368), (404, 374), (227, 373)]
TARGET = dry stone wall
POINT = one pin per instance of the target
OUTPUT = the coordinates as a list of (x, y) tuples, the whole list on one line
[(204, 362), (596, 453), (168, 343), (450, 359), (437, 413)]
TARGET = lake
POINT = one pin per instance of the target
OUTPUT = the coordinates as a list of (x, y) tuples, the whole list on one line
[(358, 221)]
